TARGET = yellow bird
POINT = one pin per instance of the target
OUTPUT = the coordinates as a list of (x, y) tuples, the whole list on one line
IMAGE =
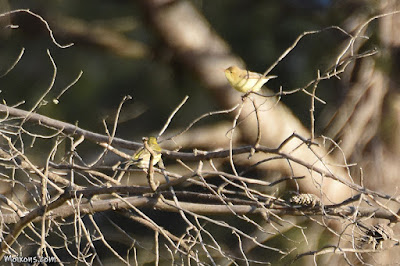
[(244, 80), (141, 158)]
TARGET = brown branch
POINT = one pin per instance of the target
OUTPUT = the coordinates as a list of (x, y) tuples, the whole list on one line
[(56, 211), (67, 128), (30, 217), (72, 129), (174, 21)]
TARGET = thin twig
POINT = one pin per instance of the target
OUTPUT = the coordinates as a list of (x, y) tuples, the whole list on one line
[(172, 116), (42, 20)]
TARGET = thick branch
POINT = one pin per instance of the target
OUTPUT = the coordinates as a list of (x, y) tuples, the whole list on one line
[(175, 22)]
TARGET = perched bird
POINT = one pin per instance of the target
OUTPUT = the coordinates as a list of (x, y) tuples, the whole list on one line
[(141, 158), (244, 80)]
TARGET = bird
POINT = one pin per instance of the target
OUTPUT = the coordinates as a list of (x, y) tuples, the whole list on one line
[(141, 158), (245, 81)]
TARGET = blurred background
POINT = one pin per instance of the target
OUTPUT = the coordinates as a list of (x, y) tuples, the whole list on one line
[(120, 54), (122, 49)]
